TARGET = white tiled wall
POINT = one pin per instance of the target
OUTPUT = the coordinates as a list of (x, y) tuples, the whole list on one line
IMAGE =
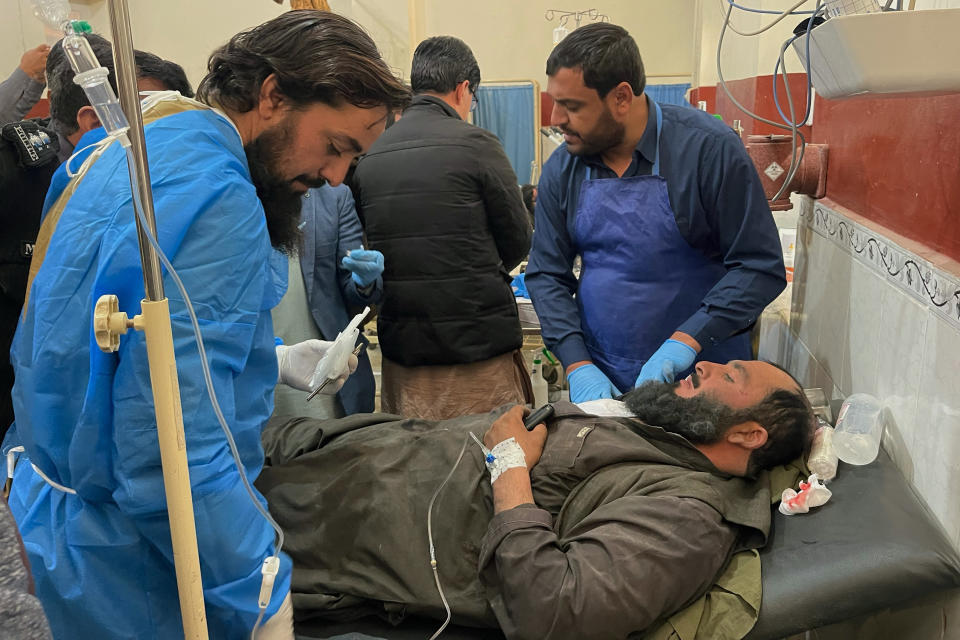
[(854, 327)]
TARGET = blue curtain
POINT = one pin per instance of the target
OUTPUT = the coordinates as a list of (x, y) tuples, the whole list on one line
[(669, 93), (507, 112)]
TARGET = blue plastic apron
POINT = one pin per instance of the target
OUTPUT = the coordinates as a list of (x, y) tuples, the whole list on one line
[(640, 279)]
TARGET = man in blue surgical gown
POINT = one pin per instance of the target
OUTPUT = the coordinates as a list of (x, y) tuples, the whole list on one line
[(286, 106)]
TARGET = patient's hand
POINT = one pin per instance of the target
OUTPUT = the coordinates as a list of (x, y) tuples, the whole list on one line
[(510, 425)]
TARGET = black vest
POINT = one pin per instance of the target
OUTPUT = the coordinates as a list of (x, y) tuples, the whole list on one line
[(446, 293), (28, 159)]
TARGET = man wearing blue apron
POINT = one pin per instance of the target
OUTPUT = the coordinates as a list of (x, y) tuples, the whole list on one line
[(679, 250)]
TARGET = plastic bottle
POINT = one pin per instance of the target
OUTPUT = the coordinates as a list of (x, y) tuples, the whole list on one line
[(859, 429), (539, 384), (823, 456)]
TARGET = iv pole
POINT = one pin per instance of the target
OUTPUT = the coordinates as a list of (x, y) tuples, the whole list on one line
[(154, 321)]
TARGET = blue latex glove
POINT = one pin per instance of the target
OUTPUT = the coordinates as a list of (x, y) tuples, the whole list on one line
[(519, 286), (666, 362), (365, 266), (587, 382)]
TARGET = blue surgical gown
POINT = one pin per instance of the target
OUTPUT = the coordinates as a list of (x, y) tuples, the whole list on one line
[(102, 559), (61, 179)]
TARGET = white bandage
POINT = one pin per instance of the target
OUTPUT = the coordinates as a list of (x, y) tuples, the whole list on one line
[(505, 455)]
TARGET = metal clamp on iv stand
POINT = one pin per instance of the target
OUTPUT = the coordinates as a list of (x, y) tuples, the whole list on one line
[(154, 319)]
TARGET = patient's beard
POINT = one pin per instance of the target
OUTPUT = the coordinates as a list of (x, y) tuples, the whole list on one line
[(701, 419)]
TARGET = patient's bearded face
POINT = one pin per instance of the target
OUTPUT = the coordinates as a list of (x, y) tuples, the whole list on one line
[(701, 419)]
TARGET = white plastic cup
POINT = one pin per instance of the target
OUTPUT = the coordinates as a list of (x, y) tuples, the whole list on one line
[(856, 438)]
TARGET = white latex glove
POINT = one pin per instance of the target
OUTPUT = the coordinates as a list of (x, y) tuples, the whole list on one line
[(297, 363), (280, 625)]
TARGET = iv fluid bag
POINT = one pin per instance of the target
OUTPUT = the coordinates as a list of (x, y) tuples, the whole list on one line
[(54, 13)]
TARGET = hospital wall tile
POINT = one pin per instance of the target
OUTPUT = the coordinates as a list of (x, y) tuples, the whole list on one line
[(798, 361), (956, 545), (810, 286), (819, 377), (801, 247), (806, 369), (834, 325), (836, 401), (868, 315), (901, 336), (803, 203), (818, 295), (774, 328), (785, 345), (772, 343), (859, 370), (898, 441), (937, 437), (805, 266)]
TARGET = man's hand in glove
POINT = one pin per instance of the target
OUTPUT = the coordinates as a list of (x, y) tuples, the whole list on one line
[(666, 362), (365, 266), (587, 382), (297, 363)]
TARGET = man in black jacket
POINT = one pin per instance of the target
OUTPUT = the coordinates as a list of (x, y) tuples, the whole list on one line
[(439, 199)]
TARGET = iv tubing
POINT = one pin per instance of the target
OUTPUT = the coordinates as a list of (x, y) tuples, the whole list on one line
[(151, 253), (208, 380), (433, 556)]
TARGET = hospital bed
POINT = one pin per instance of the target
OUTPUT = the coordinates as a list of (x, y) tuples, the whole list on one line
[(872, 549)]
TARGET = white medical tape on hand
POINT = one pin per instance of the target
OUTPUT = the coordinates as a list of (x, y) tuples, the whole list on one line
[(505, 455)]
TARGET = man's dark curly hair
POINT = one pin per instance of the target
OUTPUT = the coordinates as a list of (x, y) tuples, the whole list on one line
[(316, 56), (605, 53), (789, 421)]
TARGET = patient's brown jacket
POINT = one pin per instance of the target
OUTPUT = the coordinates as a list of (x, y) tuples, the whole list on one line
[(630, 525)]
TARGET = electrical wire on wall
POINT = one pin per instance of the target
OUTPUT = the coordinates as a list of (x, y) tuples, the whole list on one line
[(780, 15), (765, 11), (791, 124)]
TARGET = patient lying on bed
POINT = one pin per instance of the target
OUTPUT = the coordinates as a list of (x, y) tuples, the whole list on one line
[(616, 523)]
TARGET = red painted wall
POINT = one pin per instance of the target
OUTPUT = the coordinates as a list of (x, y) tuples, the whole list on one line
[(546, 107), (756, 94), (893, 159), (709, 94), (39, 110), (896, 160)]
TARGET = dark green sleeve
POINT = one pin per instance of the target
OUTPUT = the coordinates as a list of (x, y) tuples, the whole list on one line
[(627, 564)]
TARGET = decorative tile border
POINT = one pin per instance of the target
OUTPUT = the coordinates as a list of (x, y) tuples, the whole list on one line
[(930, 286)]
